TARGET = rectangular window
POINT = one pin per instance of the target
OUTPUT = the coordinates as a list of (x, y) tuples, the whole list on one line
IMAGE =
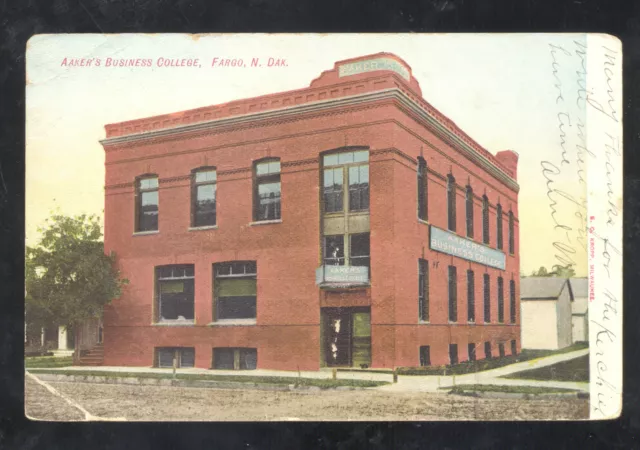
[(469, 207), (451, 202), (175, 293), (500, 300), (453, 294), (147, 204), (512, 241), (235, 358), (472, 351), (471, 297), (267, 191), (499, 225), (334, 250), (203, 205), (359, 250), (425, 356), (423, 290), (453, 354), (333, 195), (184, 356), (359, 188), (485, 219), (422, 189), (487, 350), (512, 301), (353, 170), (487, 297), (514, 350), (235, 290), (501, 349)]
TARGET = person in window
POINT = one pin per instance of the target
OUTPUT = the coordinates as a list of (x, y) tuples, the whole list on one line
[(336, 255)]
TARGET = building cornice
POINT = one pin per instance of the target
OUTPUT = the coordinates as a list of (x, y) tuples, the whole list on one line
[(393, 94)]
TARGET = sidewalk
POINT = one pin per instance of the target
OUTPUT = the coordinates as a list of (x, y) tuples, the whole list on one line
[(433, 383), (406, 383), (321, 374)]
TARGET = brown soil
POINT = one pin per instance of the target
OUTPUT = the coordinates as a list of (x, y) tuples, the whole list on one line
[(151, 403), (40, 404)]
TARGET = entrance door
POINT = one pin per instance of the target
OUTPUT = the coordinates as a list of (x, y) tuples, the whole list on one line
[(337, 337), (347, 337), (361, 339)]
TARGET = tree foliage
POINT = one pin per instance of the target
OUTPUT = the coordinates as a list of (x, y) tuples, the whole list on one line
[(68, 277), (556, 271)]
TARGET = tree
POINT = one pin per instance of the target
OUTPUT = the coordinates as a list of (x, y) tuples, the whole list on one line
[(563, 271), (556, 271), (68, 277), (541, 272)]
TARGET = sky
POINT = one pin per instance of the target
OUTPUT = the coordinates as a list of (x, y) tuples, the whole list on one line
[(513, 92)]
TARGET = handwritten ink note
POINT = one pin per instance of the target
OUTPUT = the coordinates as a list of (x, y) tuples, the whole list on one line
[(583, 181), (603, 100)]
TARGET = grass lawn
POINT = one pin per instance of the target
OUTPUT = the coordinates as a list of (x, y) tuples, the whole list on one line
[(48, 361), (487, 364), (573, 370), (321, 383), (532, 390)]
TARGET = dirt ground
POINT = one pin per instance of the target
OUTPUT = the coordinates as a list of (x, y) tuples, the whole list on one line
[(151, 403)]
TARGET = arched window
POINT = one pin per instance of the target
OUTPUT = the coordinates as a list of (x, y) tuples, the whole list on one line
[(203, 197), (422, 189), (266, 196), (469, 207), (146, 203), (499, 225), (451, 202)]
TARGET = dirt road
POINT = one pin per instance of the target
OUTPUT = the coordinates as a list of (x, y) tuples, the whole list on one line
[(144, 403)]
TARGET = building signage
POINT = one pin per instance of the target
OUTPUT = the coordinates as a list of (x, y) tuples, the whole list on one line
[(370, 65), (342, 274), (452, 244)]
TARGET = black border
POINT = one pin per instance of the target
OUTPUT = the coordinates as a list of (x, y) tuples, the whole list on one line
[(21, 19)]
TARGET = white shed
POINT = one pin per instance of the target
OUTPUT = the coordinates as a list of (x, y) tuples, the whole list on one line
[(545, 308), (579, 309)]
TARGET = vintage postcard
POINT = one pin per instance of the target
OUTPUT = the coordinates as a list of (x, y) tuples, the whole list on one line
[(323, 227)]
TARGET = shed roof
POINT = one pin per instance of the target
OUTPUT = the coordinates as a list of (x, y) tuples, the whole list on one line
[(541, 288), (579, 287)]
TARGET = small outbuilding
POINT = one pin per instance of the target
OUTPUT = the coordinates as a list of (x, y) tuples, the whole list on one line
[(545, 312), (579, 309)]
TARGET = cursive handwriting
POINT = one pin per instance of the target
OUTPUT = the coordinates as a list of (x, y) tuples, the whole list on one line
[(555, 65)]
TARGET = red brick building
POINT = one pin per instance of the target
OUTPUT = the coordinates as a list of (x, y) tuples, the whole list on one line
[(348, 223)]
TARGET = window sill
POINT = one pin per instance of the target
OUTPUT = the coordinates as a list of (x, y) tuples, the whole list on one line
[(145, 233), (423, 322), (176, 323), (425, 222), (232, 322), (207, 227), (363, 212), (265, 222)]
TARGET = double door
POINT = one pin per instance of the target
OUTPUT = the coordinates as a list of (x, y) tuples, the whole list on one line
[(346, 337)]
